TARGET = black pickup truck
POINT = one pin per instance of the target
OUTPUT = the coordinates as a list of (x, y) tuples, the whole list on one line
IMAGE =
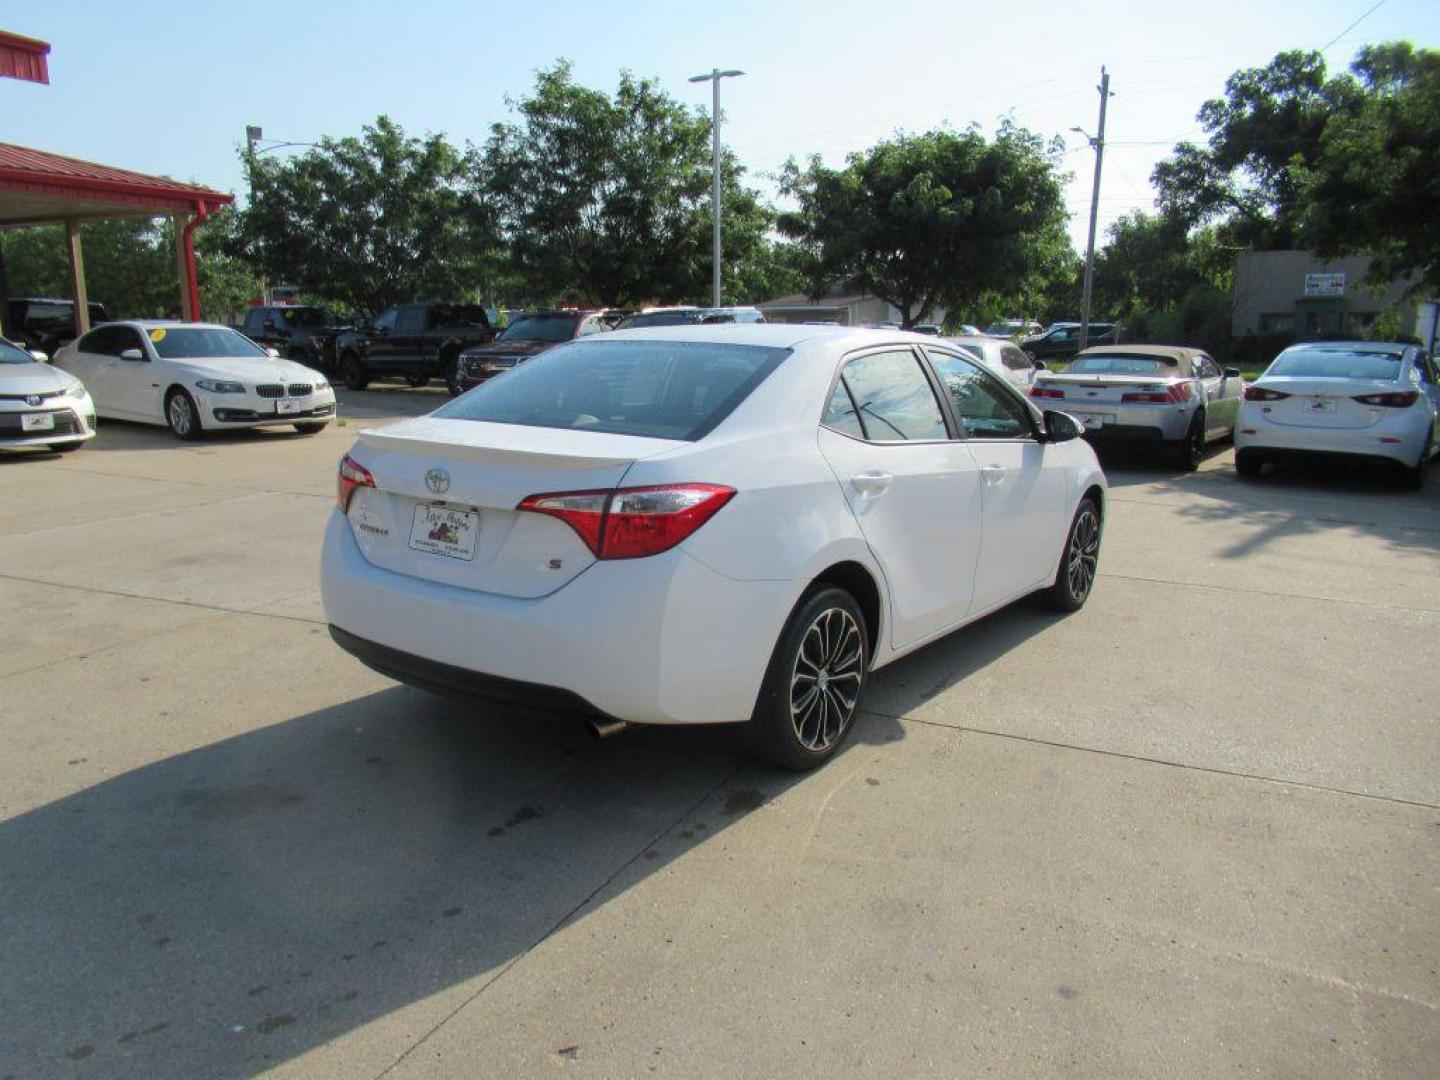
[(418, 342)]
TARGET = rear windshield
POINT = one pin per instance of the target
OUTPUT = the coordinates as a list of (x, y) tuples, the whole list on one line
[(1119, 365), (661, 318), (1336, 364), (661, 389), (541, 328)]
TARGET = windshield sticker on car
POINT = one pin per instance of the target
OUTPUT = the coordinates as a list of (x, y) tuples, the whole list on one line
[(157, 335)]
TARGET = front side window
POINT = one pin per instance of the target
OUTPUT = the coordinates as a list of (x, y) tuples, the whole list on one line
[(411, 320), (1205, 368), (659, 389), (99, 342), (386, 319), (985, 408), (893, 398)]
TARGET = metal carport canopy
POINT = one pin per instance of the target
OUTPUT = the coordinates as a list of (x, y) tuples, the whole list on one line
[(37, 187)]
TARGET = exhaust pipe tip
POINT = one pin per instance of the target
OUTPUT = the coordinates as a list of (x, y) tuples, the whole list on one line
[(602, 727)]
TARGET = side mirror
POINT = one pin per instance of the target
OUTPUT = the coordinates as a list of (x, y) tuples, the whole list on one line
[(1232, 373), (39, 357), (274, 354), (132, 354), (1060, 427)]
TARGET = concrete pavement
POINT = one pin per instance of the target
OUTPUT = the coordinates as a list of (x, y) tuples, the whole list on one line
[(1193, 829)]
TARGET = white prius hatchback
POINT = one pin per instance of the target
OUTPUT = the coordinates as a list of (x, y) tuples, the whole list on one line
[(706, 525), (194, 378)]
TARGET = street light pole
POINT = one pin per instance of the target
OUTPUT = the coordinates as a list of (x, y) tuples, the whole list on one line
[(714, 78), (1098, 142)]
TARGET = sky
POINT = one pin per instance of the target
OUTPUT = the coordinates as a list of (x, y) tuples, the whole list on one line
[(168, 87)]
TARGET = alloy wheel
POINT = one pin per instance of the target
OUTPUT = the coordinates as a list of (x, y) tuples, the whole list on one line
[(181, 417), (825, 679), (1083, 555)]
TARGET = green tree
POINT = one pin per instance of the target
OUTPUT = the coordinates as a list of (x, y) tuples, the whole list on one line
[(127, 266), (944, 219), (1374, 185), (606, 199), (369, 221)]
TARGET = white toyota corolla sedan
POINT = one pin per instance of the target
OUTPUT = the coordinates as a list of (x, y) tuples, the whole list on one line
[(195, 377), (40, 406), (706, 525), (1362, 401)]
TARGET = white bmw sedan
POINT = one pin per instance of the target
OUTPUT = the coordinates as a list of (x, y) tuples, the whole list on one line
[(1361, 401), (195, 377), (40, 406), (706, 525)]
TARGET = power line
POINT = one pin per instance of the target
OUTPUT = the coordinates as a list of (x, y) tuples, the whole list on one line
[(1352, 26)]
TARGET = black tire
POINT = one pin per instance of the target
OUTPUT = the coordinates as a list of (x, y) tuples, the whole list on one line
[(311, 428), (450, 365), (353, 373), (826, 634), (66, 447), (182, 414), (417, 381), (1413, 478), (1190, 453), (1247, 464), (1079, 562)]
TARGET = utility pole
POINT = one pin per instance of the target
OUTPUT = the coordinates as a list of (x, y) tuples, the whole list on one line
[(1098, 142), (253, 134), (714, 77)]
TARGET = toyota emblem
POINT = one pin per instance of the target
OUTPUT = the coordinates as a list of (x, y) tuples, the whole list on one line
[(33, 399), (438, 481)]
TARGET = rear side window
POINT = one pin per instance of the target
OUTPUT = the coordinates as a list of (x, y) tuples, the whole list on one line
[(1336, 364), (660, 389), (892, 397)]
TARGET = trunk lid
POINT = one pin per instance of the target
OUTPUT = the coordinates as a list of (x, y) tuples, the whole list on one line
[(1098, 389), (443, 505), (1326, 403)]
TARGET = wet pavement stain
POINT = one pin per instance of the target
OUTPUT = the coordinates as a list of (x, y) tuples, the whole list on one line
[(451, 912), (524, 814), (349, 995), (80, 1053), (256, 991), (742, 802), (872, 781), (650, 855), (496, 831), (1069, 993), (225, 804), (274, 1023)]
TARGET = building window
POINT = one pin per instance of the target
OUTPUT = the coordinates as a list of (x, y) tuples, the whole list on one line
[(1277, 322)]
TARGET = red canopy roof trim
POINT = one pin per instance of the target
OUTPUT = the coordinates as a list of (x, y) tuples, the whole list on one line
[(23, 58), (43, 175)]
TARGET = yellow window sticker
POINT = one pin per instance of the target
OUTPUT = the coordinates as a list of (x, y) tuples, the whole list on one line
[(157, 335)]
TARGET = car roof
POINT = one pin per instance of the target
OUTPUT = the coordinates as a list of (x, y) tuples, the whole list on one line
[(774, 335), (168, 324), (1387, 347), (1174, 354), (977, 339)]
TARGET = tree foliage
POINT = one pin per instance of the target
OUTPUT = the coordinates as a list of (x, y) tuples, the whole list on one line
[(607, 198), (369, 221), (944, 219)]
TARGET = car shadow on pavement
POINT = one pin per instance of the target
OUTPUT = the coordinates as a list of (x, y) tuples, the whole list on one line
[(235, 906)]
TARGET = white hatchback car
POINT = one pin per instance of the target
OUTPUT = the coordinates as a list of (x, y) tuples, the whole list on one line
[(706, 525), (195, 377), (1362, 401), (40, 406)]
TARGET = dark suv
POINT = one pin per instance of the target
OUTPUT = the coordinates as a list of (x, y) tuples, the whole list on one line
[(40, 322), (299, 332), (418, 341), (529, 337), (690, 316), (1061, 341)]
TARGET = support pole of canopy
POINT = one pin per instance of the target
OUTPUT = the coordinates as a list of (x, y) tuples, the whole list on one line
[(77, 276)]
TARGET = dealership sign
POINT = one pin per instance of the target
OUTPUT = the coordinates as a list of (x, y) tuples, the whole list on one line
[(1324, 284)]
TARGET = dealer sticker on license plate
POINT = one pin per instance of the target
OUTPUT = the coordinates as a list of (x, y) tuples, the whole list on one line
[(440, 530), (289, 406), (40, 421)]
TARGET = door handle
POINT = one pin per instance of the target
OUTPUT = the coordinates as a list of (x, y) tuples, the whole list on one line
[(872, 484), (992, 475)]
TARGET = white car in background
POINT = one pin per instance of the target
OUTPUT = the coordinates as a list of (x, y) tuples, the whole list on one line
[(1362, 401), (195, 377), (706, 525), (1001, 356), (40, 406)]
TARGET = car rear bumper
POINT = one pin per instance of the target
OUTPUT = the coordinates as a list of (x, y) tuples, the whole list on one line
[(1117, 422), (1257, 435), (659, 640)]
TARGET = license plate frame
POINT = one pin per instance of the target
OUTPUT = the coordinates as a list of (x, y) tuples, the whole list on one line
[(40, 421), (445, 531), (289, 406)]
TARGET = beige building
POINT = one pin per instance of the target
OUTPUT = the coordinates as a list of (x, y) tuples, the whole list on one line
[(1296, 293)]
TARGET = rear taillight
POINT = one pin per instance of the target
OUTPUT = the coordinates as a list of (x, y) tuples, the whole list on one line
[(1398, 399), (1046, 392), (628, 523), (352, 475), (1262, 393), (1174, 394)]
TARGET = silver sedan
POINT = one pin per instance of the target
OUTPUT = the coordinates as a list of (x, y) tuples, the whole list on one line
[(1178, 399)]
